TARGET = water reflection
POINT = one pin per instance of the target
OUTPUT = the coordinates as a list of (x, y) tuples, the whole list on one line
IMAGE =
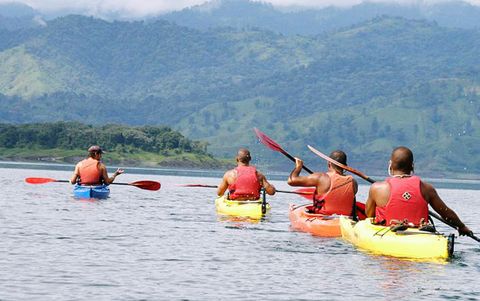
[(242, 219)]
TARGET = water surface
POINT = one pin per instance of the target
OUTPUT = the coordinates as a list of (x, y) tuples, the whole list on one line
[(170, 245)]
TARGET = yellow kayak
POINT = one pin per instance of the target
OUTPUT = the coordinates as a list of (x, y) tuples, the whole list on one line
[(409, 243), (252, 209)]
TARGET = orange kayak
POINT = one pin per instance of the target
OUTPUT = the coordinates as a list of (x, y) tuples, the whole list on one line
[(315, 224)]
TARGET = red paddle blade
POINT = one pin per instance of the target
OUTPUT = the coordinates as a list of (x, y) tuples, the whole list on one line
[(268, 141), (147, 185), (39, 180), (198, 185)]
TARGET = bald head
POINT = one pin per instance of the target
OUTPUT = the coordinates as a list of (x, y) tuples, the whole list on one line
[(243, 156), (402, 159), (339, 156)]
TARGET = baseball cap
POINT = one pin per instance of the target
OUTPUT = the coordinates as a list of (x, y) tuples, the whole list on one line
[(95, 149)]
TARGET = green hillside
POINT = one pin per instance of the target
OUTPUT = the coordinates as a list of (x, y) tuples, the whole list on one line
[(138, 146), (365, 88)]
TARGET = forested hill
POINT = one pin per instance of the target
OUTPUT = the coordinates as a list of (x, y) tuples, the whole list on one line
[(365, 88), (68, 141), (312, 21)]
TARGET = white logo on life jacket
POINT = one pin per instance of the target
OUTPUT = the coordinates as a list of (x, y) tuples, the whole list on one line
[(406, 195)]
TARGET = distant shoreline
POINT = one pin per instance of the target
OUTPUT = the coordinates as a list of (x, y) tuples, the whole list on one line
[(473, 184), (140, 159), (111, 168)]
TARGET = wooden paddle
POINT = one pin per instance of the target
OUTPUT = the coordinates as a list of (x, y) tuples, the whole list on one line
[(147, 185), (270, 143), (365, 177)]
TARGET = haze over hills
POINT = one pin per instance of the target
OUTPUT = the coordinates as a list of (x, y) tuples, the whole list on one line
[(245, 13), (14, 16), (365, 88), (311, 21)]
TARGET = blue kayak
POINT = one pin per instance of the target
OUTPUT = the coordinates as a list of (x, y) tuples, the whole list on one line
[(87, 192)]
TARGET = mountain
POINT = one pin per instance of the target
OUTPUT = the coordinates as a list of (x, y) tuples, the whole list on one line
[(14, 16), (365, 88), (16, 10), (311, 21)]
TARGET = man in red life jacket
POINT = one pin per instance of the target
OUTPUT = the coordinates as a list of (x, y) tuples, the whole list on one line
[(92, 171), (404, 196), (334, 191), (244, 182)]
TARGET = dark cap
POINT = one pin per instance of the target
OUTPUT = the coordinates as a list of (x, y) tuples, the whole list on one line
[(95, 149)]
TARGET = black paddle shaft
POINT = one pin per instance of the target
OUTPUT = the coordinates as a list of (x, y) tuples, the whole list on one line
[(293, 159)]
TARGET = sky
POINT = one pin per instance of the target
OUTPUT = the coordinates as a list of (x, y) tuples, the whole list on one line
[(140, 8)]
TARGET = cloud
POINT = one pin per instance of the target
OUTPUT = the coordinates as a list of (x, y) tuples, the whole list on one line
[(323, 3), (142, 8), (133, 8)]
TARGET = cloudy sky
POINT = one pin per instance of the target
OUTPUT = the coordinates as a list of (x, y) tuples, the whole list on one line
[(139, 8)]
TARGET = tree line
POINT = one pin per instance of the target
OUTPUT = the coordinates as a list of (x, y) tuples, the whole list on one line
[(113, 137)]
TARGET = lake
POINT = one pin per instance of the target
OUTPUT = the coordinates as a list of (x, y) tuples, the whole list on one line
[(171, 245)]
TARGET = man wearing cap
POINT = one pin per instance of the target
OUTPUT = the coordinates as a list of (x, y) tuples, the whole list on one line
[(92, 171)]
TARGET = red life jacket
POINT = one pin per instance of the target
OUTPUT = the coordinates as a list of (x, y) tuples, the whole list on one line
[(406, 202), (89, 172), (246, 185), (339, 198)]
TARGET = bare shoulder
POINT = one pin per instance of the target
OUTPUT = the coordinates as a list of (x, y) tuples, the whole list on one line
[(102, 166), (321, 174), (322, 178), (382, 186), (230, 175), (428, 191), (426, 186), (260, 175)]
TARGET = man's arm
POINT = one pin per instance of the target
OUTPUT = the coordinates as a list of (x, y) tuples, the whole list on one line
[(378, 195), (296, 180), (355, 186), (223, 185), (106, 179), (370, 205), (269, 188), (75, 176), (432, 197)]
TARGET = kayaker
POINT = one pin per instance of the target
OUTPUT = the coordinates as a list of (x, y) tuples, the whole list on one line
[(244, 182), (404, 197), (92, 171), (334, 191)]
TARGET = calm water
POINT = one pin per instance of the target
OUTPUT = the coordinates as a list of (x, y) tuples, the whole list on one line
[(170, 245)]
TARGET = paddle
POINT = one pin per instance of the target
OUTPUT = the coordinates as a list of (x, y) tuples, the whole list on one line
[(365, 177), (270, 143), (275, 146), (346, 167), (305, 192), (147, 185)]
